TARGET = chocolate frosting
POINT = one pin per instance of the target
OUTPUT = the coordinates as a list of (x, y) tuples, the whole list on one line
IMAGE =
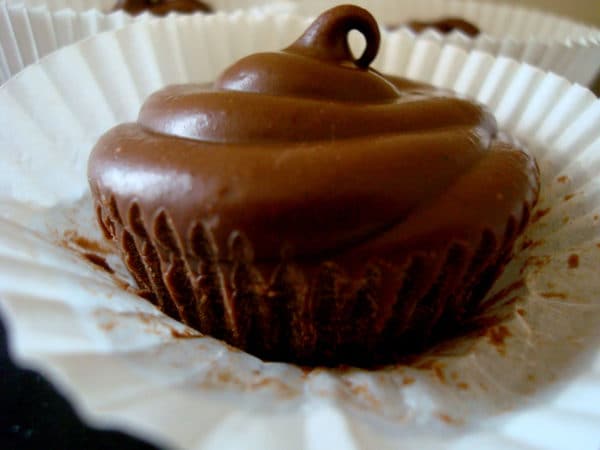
[(161, 7), (307, 153), (444, 25)]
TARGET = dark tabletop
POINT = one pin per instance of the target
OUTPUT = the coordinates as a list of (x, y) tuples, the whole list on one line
[(34, 416)]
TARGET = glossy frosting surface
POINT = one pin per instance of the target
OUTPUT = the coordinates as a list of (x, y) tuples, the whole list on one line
[(308, 153)]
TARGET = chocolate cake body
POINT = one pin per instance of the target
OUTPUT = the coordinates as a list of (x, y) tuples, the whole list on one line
[(343, 220)]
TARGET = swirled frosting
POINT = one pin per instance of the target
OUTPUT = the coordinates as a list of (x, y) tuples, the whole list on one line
[(309, 152)]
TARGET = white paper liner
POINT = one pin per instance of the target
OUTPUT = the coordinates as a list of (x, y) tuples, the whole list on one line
[(122, 363), (30, 29)]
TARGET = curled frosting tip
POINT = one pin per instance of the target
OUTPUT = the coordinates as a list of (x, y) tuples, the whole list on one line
[(323, 53), (327, 37)]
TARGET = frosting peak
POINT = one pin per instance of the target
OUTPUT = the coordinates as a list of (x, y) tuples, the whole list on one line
[(319, 64), (327, 37)]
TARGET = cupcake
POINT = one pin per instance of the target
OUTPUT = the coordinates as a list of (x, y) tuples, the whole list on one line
[(307, 208)]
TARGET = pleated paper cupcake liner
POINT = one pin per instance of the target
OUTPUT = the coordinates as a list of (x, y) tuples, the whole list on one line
[(122, 363), (30, 29)]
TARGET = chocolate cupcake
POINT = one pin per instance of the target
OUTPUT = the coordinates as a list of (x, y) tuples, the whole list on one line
[(307, 208), (162, 7)]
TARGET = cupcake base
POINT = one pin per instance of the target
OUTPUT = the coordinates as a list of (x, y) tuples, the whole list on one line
[(362, 314)]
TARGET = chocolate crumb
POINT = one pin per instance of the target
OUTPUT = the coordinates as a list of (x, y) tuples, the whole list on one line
[(224, 377), (573, 261), (539, 214), (568, 197), (562, 179), (436, 368), (145, 317), (439, 373), (497, 336), (71, 236), (558, 295), (536, 261), (462, 385), (186, 334), (406, 381), (449, 419), (122, 284), (364, 393), (108, 326), (98, 261)]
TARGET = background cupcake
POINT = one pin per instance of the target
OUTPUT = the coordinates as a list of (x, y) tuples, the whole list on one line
[(33, 28)]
